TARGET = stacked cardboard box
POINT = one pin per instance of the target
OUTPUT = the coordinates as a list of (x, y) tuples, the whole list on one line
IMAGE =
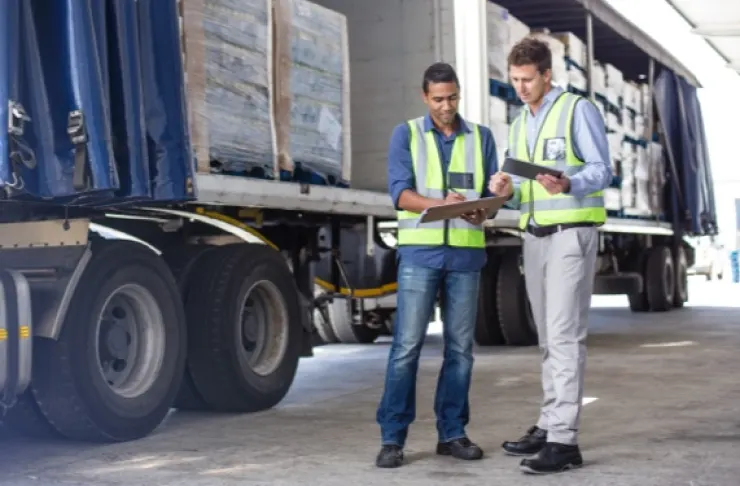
[(657, 177), (228, 58), (642, 181), (629, 160), (599, 79), (614, 84), (575, 48), (318, 89), (504, 30), (631, 96), (559, 66)]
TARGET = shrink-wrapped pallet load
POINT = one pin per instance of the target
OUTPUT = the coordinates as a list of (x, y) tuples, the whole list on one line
[(228, 56), (503, 31), (312, 79)]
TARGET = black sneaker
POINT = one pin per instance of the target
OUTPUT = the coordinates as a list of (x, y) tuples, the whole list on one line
[(460, 448), (390, 456), (530, 443), (553, 458)]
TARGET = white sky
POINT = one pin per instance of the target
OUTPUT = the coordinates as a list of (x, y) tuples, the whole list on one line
[(718, 97)]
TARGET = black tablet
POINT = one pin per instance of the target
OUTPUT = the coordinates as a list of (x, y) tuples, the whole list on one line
[(527, 170)]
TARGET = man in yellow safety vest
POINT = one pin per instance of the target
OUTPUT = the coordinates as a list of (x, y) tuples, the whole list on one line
[(434, 159), (559, 217)]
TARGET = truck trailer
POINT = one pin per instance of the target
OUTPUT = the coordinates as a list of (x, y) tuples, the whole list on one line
[(195, 192)]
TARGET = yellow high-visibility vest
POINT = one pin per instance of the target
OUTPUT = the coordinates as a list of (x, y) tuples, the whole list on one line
[(554, 149), (465, 175)]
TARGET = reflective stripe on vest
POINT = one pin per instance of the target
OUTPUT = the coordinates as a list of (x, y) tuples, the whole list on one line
[(465, 176), (553, 148)]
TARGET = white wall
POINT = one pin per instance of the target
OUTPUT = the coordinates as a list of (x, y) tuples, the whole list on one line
[(391, 43)]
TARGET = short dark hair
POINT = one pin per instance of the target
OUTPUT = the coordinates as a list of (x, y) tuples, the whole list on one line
[(531, 50), (439, 72)]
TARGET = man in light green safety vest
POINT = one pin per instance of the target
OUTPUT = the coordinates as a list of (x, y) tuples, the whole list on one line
[(559, 217), (433, 159)]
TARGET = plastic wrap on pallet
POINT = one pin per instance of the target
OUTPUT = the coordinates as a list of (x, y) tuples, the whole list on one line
[(318, 140), (498, 40), (642, 198), (599, 78), (577, 78), (612, 199), (645, 98), (642, 164), (498, 110), (628, 123), (228, 58), (627, 174), (504, 30), (615, 146), (500, 132), (613, 123), (640, 127), (559, 66), (631, 96), (614, 84), (575, 48)]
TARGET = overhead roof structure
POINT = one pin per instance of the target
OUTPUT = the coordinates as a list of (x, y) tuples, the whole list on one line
[(718, 22), (617, 41)]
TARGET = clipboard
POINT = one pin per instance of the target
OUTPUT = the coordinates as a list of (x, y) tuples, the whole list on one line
[(455, 210), (527, 170)]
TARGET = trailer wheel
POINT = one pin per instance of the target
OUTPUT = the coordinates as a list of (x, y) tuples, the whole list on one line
[(681, 294), (346, 331), (487, 326), (114, 372), (514, 311), (181, 260), (323, 327), (244, 328), (24, 419), (660, 280), (638, 302)]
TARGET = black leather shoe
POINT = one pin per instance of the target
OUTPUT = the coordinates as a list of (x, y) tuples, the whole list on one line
[(528, 444), (553, 458), (390, 456), (461, 449)]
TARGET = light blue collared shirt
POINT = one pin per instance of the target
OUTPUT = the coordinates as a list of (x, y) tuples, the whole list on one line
[(589, 143)]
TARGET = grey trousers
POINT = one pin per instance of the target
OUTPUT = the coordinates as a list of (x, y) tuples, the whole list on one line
[(559, 272)]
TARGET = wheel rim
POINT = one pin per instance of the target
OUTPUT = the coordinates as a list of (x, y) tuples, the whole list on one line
[(263, 329), (682, 276), (130, 340)]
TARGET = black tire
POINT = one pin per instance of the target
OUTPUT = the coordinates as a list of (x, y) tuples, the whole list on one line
[(681, 293), (181, 260), (217, 359), (24, 419), (638, 302), (68, 383), (514, 311), (660, 280), (340, 318), (487, 325)]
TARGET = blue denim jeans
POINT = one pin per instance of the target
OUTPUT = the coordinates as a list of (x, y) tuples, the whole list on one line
[(418, 288)]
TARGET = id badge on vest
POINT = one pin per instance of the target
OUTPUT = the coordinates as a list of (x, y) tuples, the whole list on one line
[(554, 148)]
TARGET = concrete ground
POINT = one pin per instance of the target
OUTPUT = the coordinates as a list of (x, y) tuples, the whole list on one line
[(663, 409)]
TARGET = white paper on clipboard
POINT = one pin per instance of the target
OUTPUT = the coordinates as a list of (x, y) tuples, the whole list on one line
[(455, 210)]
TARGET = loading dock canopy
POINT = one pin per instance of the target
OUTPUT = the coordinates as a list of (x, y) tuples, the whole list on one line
[(616, 40), (718, 22)]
